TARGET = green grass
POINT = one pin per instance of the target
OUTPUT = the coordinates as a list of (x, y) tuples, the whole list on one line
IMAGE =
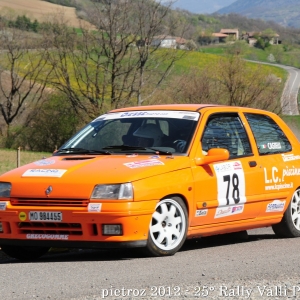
[(217, 50), (202, 59), (193, 59), (8, 158), (282, 54)]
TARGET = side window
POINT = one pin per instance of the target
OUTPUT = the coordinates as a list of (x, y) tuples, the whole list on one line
[(269, 137), (226, 131)]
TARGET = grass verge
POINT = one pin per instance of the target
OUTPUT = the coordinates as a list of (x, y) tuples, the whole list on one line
[(9, 158)]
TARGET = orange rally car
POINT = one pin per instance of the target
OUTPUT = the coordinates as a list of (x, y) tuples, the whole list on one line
[(153, 176)]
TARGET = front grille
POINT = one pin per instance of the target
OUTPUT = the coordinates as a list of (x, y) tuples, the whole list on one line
[(49, 202), (50, 228)]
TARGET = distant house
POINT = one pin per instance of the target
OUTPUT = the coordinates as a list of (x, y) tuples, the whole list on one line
[(166, 41), (252, 41), (224, 35), (251, 38), (219, 37), (233, 33), (181, 43), (275, 40)]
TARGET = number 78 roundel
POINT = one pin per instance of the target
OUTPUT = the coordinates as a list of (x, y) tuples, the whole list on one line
[(231, 188)]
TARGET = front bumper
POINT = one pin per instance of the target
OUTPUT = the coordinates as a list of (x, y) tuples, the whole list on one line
[(79, 227)]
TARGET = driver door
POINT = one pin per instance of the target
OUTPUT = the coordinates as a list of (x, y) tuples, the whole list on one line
[(227, 191)]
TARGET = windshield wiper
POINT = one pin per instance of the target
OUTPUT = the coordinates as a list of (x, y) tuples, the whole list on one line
[(162, 152), (125, 148), (82, 151)]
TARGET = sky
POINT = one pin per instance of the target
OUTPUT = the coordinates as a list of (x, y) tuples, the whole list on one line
[(202, 6)]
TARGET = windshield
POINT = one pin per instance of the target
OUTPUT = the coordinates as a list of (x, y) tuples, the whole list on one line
[(163, 132)]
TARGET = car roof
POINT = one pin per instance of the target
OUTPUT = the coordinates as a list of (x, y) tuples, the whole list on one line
[(188, 107), (191, 107)]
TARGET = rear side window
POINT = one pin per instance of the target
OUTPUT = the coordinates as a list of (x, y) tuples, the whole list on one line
[(270, 139)]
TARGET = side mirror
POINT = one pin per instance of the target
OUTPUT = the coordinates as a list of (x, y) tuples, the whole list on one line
[(213, 155)]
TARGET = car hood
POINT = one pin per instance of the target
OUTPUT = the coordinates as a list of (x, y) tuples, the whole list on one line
[(76, 176)]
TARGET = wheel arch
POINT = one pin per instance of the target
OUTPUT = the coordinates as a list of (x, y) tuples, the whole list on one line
[(290, 197), (183, 198)]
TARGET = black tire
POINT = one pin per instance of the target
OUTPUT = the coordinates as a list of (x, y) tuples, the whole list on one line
[(24, 253), (168, 227), (289, 227)]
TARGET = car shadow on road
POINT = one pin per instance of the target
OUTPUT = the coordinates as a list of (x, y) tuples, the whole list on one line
[(69, 255), (225, 239)]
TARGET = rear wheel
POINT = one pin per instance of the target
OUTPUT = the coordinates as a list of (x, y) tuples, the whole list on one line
[(289, 226), (23, 252), (168, 227)]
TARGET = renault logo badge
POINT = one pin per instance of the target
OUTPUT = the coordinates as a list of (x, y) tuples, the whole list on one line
[(49, 190)]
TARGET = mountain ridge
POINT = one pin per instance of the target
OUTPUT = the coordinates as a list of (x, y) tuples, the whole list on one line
[(284, 12)]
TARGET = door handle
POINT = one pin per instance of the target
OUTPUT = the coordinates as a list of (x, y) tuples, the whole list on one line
[(252, 164)]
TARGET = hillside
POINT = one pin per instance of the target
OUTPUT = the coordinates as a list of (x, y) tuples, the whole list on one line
[(39, 10), (284, 12)]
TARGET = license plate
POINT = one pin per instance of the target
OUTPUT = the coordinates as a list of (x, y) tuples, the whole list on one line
[(45, 216)]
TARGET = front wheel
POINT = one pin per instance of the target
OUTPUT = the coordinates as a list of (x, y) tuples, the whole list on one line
[(289, 226), (168, 227), (24, 252)]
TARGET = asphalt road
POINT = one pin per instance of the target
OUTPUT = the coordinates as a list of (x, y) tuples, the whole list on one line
[(223, 267), (289, 97)]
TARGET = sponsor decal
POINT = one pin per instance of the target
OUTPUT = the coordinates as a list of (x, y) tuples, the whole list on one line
[(189, 117), (237, 165), (290, 172), (278, 187), (144, 163), (201, 212), (223, 212), (22, 216), (3, 205), (274, 146), (94, 207), (143, 114), (33, 236), (224, 167), (45, 162), (237, 209), (290, 157), (274, 178), (229, 211), (194, 116), (44, 173), (276, 205)]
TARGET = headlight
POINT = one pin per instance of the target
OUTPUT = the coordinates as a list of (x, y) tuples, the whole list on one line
[(122, 191), (5, 188)]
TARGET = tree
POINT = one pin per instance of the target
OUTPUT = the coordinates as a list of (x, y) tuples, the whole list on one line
[(246, 84), (23, 75), (227, 81), (116, 64), (195, 86)]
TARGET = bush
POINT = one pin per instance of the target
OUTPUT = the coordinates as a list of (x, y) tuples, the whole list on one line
[(48, 126)]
